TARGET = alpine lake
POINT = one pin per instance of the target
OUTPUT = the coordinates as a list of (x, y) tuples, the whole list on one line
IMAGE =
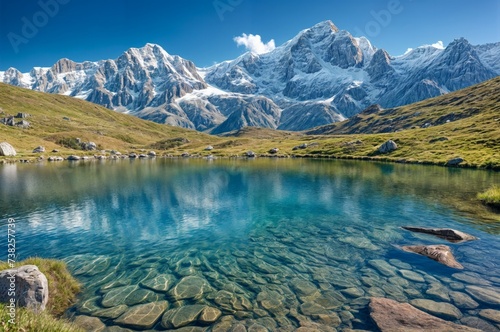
[(257, 244)]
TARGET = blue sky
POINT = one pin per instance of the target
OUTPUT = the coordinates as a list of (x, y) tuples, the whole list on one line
[(204, 30)]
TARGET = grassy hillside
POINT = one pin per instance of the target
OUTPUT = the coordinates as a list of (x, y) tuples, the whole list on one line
[(87, 121), (472, 132), (482, 100)]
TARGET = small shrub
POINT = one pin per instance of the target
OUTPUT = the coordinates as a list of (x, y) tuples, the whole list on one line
[(169, 143), (70, 143)]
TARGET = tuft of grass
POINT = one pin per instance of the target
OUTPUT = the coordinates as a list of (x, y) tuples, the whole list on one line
[(491, 197), (28, 321), (63, 288)]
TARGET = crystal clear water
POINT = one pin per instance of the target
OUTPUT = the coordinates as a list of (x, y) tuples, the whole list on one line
[(271, 244)]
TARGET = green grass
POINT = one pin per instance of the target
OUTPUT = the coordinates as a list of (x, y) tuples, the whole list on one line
[(63, 289), (28, 321), (473, 132), (491, 197)]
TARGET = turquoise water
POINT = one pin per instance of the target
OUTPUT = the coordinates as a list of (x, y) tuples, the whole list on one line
[(269, 244)]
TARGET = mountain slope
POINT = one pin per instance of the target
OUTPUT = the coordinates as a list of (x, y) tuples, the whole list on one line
[(54, 118), (320, 76), (482, 99)]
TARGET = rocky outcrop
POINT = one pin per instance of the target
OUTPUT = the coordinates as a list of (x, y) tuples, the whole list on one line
[(388, 147), (439, 253), (454, 162), (7, 150), (30, 285), (392, 316), (39, 149), (448, 234)]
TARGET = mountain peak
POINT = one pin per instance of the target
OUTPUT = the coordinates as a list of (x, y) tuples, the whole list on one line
[(325, 26)]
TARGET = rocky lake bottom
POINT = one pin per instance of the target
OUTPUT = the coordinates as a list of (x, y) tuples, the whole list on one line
[(255, 246)]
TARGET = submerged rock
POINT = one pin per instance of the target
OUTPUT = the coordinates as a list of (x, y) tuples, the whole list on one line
[(143, 316), (160, 283), (191, 287), (439, 253), (392, 316), (448, 234), (188, 314), (440, 309), (90, 324), (488, 295)]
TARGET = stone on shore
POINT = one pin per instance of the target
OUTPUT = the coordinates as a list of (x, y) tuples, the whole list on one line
[(439, 253), (7, 150), (31, 285), (392, 316)]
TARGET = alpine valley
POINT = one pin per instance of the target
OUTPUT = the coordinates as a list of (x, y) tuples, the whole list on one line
[(322, 75)]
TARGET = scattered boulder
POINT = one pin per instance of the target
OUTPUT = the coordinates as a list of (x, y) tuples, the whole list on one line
[(73, 158), (32, 289), (9, 121), (439, 253), (185, 155), (66, 118), (274, 151), (448, 234), (132, 155), (22, 115), (393, 316), (7, 150), (300, 147), (39, 149), (209, 148), (142, 156), (388, 147), (454, 162), (55, 151), (51, 158), (89, 146), (23, 124), (250, 154), (152, 154)]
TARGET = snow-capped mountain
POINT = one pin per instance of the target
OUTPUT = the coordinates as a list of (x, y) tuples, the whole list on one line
[(322, 75)]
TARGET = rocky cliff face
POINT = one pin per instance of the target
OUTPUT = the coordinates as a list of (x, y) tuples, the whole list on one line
[(321, 76)]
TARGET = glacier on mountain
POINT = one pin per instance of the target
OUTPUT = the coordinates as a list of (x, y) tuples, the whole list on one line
[(320, 76)]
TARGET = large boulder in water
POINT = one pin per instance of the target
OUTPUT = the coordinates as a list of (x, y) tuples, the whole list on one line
[(448, 234), (31, 287), (7, 150), (439, 253), (393, 316)]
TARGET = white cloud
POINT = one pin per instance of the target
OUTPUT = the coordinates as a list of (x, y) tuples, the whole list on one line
[(439, 45), (254, 44)]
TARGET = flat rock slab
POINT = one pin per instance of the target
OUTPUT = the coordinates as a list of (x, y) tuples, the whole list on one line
[(160, 283), (89, 324), (440, 309), (490, 314), (186, 315), (439, 253), (143, 316), (191, 287), (448, 234), (392, 316), (488, 295)]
